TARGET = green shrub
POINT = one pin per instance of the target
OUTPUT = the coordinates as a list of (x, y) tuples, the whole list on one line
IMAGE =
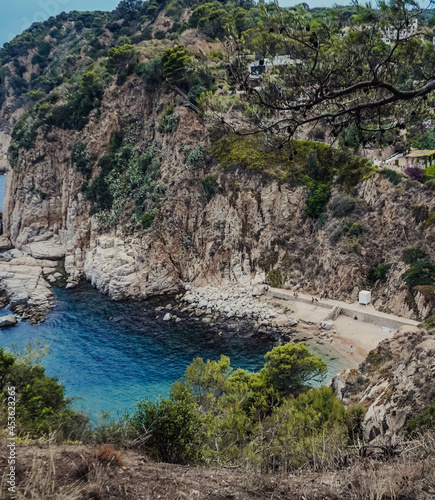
[(41, 405), (122, 60), (80, 159), (421, 272), (429, 322), (317, 199), (211, 186), (430, 218), (393, 176), (148, 218), (174, 427), (379, 273), (152, 73), (169, 121), (411, 255), (159, 35), (196, 157), (275, 278), (423, 421)]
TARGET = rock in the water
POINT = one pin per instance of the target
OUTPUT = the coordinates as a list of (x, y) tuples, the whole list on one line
[(167, 317), (9, 320)]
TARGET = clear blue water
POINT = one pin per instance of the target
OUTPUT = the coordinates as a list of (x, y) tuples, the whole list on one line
[(2, 190), (110, 364)]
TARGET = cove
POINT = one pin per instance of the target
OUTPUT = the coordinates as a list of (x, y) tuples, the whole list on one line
[(109, 364)]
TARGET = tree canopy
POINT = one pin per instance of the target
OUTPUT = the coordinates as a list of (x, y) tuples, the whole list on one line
[(376, 69)]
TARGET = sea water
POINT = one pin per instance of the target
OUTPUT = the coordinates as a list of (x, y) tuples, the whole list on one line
[(110, 354)]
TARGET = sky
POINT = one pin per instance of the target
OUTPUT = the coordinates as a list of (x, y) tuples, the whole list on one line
[(18, 15)]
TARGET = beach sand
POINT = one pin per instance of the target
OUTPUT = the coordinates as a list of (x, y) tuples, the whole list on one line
[(346, 332)]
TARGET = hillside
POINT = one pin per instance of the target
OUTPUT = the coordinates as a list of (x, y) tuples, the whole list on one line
[(125, 170), (113, 173)]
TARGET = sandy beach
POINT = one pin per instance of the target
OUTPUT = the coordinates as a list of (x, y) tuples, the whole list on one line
[(346, 332)]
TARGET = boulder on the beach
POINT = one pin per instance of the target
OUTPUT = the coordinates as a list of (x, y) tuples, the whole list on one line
[(293, 322), (326, 325), (9, 320)]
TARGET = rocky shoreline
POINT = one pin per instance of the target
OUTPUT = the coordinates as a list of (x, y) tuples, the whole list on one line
[(238, 309), (24, 285)]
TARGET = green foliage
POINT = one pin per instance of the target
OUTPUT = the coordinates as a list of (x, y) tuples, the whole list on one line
[(172, 427), (211, 187), (122, 60), (350, 138), (290, 162), (393, 176), (126, 175), (41, 406), (169, 121), (317, 199), (211, 19), (423, 421), (75, 113), (429, 322), (421, 272), (379, 273), (266, 419), (411, 255), (275, 278), (196, 157), (291, 366), (80, 159), (152, 73), (430, 218), (175, 62), (147, 218)]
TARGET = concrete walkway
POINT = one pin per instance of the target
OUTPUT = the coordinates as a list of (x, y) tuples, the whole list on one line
[(366, 314)]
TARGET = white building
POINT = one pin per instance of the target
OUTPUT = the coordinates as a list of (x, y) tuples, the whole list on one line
[(390, 35)]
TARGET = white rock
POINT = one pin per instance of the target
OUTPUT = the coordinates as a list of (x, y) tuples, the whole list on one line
[(9, 320), (167, 317)]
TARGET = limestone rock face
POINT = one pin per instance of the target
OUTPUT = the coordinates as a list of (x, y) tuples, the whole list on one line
[(253, 225), (394, 383), (23, 287)]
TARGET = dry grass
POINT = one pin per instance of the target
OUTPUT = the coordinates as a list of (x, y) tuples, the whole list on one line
[(107, 455), (84, 472)]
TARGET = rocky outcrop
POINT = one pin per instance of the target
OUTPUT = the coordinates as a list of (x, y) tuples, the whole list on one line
[(394, 383), (7, 321), (23, 287), (251, 224)]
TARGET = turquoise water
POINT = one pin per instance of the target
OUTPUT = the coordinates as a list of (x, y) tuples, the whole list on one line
[(2, 190), (110, 364)]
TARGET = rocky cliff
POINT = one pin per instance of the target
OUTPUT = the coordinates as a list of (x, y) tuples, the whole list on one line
[(202, 222), (251, 223), (394, 384)]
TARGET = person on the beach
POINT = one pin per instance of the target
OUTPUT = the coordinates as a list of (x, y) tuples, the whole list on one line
[(312, 300), (351, 349)]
